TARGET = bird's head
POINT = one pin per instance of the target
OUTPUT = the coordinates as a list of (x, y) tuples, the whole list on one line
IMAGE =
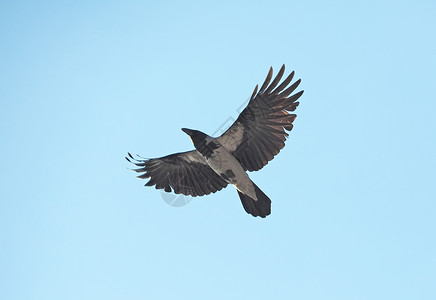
[(196, 136)]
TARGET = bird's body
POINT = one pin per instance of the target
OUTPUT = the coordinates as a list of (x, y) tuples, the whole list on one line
[(254, 139), (227, 166)]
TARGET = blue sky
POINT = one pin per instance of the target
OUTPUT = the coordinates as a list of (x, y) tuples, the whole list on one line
[(353, 192)]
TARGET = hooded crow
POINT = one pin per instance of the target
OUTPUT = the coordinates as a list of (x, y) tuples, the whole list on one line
[(258, 134)]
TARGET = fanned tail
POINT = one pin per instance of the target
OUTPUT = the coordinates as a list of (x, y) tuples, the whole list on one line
[(257, 208)]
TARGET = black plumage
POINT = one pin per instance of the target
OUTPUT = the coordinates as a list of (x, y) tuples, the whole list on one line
[(263, 123), (183, 173), (258, 134)]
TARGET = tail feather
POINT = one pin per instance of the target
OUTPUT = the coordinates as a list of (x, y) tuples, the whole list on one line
[(257, 208)]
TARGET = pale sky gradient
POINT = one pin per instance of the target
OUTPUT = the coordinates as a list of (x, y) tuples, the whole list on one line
[(83, 82)]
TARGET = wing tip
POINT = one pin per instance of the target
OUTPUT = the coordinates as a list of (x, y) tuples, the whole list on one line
[(267, 80), (254, 92)]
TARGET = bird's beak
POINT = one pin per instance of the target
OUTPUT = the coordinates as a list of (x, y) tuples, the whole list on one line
[(188, 131)]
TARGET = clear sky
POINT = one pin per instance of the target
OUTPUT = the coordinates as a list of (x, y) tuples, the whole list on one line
[(84, 82)]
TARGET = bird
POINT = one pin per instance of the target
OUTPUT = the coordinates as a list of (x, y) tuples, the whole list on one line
[(254, 139)]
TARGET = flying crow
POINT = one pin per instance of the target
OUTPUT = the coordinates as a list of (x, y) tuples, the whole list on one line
[(250, 143)]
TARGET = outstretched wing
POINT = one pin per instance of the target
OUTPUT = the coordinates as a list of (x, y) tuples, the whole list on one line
[(184, 173), (259, 132)]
